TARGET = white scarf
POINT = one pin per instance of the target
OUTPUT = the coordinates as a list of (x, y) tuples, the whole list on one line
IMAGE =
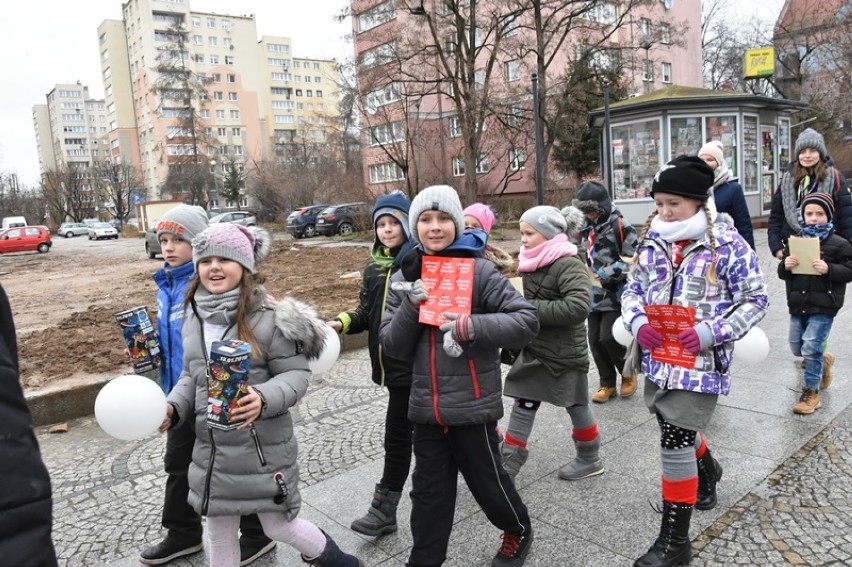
[(692, 228)]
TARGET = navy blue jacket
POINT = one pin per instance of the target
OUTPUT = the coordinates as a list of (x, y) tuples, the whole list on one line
[(730, 199)]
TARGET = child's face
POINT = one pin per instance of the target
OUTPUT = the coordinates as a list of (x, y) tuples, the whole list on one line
[(436, 230), (592, 216), (709, 160), (808, 157), (672, 208), (219, 275), (390, 233), (472, 222), (814, 214), (176, 252), (530, 237)]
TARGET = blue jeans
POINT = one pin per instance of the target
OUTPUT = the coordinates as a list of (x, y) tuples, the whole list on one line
[(808, 335)]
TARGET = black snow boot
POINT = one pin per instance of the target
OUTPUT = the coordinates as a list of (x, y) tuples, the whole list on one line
[(331, 556), (709, 473), (380, 519), (672, 547)]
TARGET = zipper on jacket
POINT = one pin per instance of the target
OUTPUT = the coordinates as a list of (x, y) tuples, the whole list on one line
[(206, 500), (257, 446), (283, 493), (384, 308), (474, 378), (433, 364)]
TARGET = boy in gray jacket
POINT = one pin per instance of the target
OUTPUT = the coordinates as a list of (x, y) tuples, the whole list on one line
[(456, 397)]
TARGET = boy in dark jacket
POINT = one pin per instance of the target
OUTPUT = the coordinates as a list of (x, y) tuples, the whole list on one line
[(175, 231), (814, 300), (392, 242), (456, 391)]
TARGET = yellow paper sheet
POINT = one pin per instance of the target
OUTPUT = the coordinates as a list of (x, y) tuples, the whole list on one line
[(806, 250)]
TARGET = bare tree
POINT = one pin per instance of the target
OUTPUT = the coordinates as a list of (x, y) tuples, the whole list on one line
[(16, 199), (123, 184), (68, 192)]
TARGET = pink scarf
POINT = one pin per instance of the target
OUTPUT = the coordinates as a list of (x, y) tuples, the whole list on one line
[(546, 253)]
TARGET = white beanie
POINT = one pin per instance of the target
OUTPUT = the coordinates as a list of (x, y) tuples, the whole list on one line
[(436, 198), (548, 221)]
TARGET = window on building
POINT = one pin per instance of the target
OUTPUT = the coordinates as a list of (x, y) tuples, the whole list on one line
[(307, 78), (277, 48), (666, 72), (232, 78), (316, 66), (648, 70), (204, 113), (604, 13), (309, 92), (196, 22), (512, 70), (232, 96), (227, 42), (377, 56), (482, 165), (510, 25), (645, 27), (217, 95), (517, 159), (479, 78), (229, 59), (235, 114), (198, 40), (376, 16), (216, 77), (212, 41), (226, 24), (319, 106), (284, 119), (214, 59), (222, 132), (385, 172), (665, 33), (318, 94), (220, 114), (455, 127), (317, 79), (236, 131), (298, 92), (211, 23), (450, 47), (199, 58), (458, 166)]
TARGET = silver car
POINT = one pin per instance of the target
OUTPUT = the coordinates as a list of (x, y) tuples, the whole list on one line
[(245, 218), (100, 230), (69, 229)]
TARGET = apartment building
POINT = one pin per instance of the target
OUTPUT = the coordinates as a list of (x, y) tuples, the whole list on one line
[(189, 87), (410, 72)]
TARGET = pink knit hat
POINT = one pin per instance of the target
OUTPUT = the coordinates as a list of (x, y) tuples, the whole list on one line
[(713, 149), (483, 214), (225, 240)]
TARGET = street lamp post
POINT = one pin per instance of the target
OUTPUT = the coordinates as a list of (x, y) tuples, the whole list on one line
[(215, 196), (539, 165), (607, 149)]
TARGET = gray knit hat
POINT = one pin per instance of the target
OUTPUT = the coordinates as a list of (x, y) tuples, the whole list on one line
[(546, 220), (234, 242), (436, 198), (184, 221), (810, 138)]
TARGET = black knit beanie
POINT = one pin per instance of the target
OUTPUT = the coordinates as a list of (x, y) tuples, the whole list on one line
[(687, 176)]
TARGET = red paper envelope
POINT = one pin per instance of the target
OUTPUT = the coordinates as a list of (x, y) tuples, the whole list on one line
[(669, 321), (450, 285)]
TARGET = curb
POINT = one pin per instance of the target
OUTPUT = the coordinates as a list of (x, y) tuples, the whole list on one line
[(58, 406)]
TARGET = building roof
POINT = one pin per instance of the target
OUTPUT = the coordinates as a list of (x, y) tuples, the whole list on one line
[(677, 96), (800, 15)]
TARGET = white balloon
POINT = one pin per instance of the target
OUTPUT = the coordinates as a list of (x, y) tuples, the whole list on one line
[(753, 347), (621, 335), (130, 407), (329, 354)]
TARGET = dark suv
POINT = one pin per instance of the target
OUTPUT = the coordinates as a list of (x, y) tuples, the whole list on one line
[(301, 223), (343, 219)]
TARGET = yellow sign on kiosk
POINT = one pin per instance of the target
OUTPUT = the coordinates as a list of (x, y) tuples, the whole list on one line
[(759, 63)]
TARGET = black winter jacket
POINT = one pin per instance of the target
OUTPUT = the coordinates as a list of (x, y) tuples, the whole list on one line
[(809, 295), (26, 506), (387, 371), (778, 230)]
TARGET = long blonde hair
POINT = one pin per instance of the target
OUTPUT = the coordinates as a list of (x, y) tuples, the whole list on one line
[(711, 271)]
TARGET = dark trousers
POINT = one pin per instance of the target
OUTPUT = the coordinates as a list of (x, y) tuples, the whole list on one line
[(398, 433), (440, 455), (607, 352), (179, 518)]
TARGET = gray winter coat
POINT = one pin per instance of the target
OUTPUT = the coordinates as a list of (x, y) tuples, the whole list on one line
[(226, 476), (466, 390)]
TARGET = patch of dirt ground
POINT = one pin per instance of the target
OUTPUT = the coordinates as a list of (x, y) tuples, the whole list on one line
[(64, 301)]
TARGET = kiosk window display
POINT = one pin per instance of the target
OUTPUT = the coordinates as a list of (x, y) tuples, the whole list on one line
[(635, 158), (687, 134)]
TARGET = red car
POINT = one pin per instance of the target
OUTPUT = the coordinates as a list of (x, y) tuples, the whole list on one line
[(25, 239)]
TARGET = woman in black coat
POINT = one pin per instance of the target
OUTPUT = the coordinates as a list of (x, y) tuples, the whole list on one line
[(26, 506)]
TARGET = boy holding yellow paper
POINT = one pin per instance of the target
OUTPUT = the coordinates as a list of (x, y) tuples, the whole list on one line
[(814, 300)]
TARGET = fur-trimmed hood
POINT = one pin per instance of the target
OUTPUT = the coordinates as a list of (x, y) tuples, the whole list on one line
[(300, 322)]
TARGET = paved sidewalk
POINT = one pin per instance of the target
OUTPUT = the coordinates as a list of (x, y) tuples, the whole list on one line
[(784, 497)]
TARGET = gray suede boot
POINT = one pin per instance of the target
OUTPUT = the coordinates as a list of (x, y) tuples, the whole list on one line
[(587, 463), (514, 458), (380, 519)]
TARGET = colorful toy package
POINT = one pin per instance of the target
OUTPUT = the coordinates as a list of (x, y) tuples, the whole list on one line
[(227, 382), (141, 339)]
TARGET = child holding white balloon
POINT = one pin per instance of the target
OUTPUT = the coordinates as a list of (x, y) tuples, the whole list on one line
[(815, 298), (392, 241), (554, 367), (688, 258), (251, 469)]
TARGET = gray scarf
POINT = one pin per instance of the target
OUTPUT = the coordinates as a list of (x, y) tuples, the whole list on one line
[(723, 175), (217, 308), (790, 195)]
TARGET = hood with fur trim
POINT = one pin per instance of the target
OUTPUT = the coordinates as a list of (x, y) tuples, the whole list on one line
[(300, 322)]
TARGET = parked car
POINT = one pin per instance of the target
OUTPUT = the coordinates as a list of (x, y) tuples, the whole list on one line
[(69, 229), (301, 223), (152, 243), (245, 218), (25, 239), (343, 219), (100, 230)]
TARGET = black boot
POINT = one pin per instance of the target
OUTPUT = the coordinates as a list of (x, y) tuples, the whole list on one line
[(380, 519), (672, 547), (709, 473), (331, 556)]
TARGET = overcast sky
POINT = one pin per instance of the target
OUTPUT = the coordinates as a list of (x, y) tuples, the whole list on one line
[(46, 42)]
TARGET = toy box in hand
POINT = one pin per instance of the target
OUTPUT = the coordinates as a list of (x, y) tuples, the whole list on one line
[(227, 381), (143, 343)]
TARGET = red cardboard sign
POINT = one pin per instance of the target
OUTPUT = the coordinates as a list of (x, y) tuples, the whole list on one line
[(450, 285), (669, 321)]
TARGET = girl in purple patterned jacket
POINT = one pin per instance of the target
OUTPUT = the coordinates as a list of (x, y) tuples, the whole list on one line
[(687, 258)]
